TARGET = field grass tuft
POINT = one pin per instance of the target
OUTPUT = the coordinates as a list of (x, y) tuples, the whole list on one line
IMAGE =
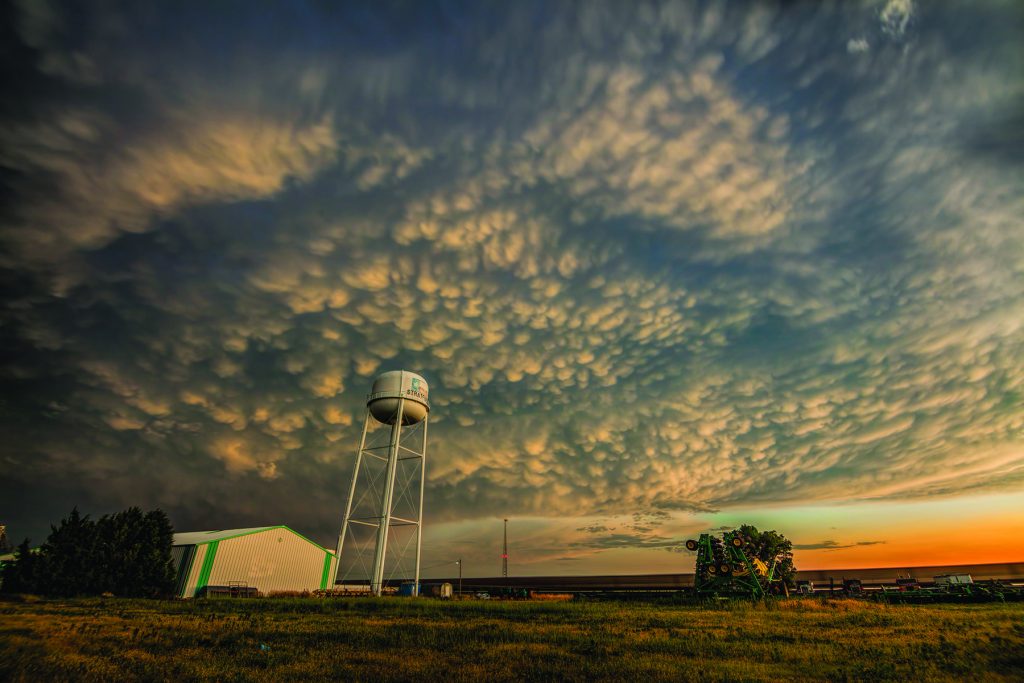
[(405, 639)]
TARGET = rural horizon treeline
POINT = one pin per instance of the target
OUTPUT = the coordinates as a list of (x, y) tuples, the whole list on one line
[(126, 554)]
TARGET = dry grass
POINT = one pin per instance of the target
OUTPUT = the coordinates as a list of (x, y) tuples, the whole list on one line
[(402, 639)]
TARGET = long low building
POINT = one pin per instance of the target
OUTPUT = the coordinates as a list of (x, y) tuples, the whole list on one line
[(267, 559), (1005, 571), (632, 582)]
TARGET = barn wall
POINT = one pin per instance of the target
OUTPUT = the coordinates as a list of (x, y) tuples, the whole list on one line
[(181, 557), (178, 553), (271, 560), (189, 588)]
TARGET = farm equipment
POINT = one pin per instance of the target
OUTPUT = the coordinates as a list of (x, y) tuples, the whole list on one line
[(951, 588), (725, 569), (907, 583)]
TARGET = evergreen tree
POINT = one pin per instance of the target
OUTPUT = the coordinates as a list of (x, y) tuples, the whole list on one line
[(22, 575), (157, 575), (127, 554), (136, 553), (69, 567), (120, 535)]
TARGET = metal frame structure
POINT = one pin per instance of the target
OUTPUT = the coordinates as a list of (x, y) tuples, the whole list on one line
[(403, 444), (724, 569)]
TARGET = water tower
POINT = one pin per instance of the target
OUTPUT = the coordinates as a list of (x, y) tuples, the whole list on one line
[(384, 513)]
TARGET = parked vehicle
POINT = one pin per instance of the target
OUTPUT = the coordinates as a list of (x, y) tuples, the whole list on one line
[(908, 583)]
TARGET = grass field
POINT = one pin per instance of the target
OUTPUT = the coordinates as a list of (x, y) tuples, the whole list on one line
[(402, 639)]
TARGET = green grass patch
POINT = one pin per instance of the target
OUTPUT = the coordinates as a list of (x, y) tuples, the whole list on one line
[(406, 639)]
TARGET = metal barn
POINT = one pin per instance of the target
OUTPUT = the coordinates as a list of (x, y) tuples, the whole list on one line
[(241, 561)]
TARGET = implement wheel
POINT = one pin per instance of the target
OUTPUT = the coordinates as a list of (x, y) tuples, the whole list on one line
[(691, 544)]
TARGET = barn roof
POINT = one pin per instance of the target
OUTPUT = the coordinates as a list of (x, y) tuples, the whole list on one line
[(199, 537)]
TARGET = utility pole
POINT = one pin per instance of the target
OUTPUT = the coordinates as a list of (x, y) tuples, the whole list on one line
[(460, 577), (504, 553)]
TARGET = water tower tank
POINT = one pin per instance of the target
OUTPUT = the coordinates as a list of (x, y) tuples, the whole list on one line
[(389, 387), (401, 400)]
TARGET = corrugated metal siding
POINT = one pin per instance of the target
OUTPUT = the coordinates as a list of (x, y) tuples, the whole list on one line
[(204, 571), (271, 560), (332, 576), (177, 555), (189, 590), (181, 556)]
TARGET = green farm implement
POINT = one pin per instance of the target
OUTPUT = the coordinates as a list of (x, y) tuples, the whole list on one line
[(727, 566)]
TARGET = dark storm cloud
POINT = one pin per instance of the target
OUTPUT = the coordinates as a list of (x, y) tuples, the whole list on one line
[(832, 545), (644, 522), (664, 257), (619, 541)]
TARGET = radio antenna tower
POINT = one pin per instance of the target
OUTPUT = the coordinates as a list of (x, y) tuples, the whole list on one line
[(504, 553), (385, 502)]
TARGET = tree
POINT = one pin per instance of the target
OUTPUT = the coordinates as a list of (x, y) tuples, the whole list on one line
[(137, 550), (5, 546), (770, 546), (127, 553), (158, 577), (69, 557), (22, 575)]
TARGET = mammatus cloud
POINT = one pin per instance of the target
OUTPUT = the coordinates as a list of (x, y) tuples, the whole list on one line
[(855, 45), (895, 16), (674, 259), (101, 188)]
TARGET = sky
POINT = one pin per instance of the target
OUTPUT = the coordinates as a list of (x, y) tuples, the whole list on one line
[(667, 267)]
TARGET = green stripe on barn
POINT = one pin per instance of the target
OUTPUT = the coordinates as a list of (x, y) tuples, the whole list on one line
[(327, 570), (204, 573)]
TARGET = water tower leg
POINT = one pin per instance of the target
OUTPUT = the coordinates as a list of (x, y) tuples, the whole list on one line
[(351, 495), (377, 584), (419, 518)]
